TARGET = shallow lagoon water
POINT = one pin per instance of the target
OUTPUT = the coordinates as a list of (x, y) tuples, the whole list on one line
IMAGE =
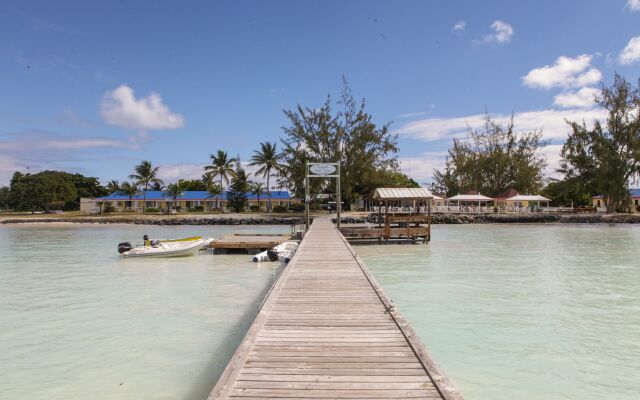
[(80, 322), (508, 311), (523, 311)]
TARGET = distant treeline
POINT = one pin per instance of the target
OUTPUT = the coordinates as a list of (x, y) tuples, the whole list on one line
[(601, 160), (338, 131)]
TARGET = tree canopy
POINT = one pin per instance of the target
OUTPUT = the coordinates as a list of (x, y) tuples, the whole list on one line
[(192, 184), (237, 193), (347, 135), (268, 161), (4, 197), (41, 191), (492, 160), (605, 158)]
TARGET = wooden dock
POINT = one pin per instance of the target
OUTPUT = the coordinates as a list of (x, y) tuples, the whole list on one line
[(251, 243), (326, 330)]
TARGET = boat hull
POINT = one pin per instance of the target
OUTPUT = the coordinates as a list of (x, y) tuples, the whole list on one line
[(184, 249)]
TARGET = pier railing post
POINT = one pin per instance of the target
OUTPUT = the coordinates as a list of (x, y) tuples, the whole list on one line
[(306, 196), (338, 198)]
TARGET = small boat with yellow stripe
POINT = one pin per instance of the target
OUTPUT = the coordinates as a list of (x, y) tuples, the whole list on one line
[(165, 247)]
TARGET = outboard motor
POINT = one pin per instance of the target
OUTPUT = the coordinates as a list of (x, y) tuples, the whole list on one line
[(124, 247), (272, 254)]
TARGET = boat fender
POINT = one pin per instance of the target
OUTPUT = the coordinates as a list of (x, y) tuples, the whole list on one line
[(124, 247), (272, 254)]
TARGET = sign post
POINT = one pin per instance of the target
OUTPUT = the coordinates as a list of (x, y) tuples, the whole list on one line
[(321, 170)]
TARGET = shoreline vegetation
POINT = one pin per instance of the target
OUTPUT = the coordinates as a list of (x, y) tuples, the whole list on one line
[(597, 165), (296, 219)]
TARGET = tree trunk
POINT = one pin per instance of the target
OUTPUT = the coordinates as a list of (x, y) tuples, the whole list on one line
[(144, 197), (220, 208), (268, 192), (610, 205)]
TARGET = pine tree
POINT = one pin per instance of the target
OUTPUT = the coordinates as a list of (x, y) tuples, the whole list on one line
[(237, 194)]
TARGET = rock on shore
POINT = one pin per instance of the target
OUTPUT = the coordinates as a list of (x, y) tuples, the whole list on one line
[(169, 220), (529, 218), (240, 219)]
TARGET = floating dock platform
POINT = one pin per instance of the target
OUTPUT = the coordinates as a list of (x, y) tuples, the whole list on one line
[(326, 330), (247, 243)]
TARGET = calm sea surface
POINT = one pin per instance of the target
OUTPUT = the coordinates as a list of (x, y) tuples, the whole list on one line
[(508, 311)]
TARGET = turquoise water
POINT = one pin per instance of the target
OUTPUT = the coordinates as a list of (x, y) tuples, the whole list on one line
[(508, 311), (523, 311), (79, 322)]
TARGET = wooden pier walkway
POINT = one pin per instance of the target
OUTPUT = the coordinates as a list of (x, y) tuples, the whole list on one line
[(326, 330)]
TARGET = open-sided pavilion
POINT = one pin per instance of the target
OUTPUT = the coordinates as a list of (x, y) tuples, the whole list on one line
[(415, 226)]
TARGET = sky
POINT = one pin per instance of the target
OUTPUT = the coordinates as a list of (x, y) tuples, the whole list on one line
[(96, 87)]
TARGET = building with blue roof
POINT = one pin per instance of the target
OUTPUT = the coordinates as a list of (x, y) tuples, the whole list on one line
[(600, 201), (188, 200)]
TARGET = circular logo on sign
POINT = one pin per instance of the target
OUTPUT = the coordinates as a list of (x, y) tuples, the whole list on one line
[(323, 169)]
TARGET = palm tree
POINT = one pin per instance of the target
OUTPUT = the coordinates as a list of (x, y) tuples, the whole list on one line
[(130, 189), (215, 190), (268, 159), (113, 186), (258, 189), (158, 185), (145, 174), (174, 190), (223, 167)]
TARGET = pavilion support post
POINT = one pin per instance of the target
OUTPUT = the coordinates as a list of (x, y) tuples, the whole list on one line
[(386, 217), (306, 197), (379, 214), (429, 219)]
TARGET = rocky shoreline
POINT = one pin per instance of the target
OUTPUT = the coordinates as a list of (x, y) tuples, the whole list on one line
[(159, 220), (239, 219), (532, 218)]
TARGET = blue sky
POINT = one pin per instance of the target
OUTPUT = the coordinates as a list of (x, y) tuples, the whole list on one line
[(95, 87)]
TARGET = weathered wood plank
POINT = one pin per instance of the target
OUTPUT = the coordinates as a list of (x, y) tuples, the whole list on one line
[(327, 331)]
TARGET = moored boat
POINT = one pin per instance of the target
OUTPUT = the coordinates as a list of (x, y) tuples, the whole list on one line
[(162, 249), (283, 252)]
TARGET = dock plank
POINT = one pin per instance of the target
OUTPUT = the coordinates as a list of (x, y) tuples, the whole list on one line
[(327, 331)]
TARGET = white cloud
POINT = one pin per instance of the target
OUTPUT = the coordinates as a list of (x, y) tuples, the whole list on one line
[(552, 122), (501, 33), (459, 26), (631, 52), (171, 173), (634, 5), (552, 153), (120, 108), (421, 167), (35, 151), (583, 98), (566, 72)]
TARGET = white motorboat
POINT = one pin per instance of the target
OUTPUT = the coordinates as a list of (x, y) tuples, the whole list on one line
[(162, 249), (283, 252), (205, 245)]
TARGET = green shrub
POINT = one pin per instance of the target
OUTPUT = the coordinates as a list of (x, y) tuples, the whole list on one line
[(255, 208), (297, 207), (280, 209), (196, 209), (151, 210), (109, 209)]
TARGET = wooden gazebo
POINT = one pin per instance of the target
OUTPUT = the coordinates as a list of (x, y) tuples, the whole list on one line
[(413, 226)]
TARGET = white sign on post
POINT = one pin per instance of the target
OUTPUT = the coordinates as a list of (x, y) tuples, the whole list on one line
[(322, 169)]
